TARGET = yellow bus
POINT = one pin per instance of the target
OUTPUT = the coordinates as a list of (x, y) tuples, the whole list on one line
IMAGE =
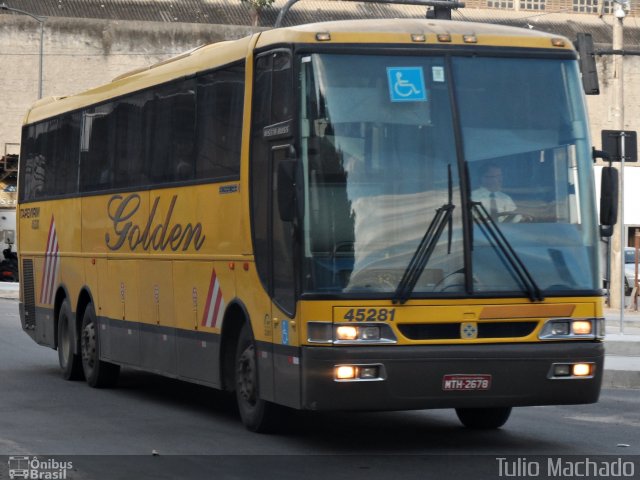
[(356, 215)]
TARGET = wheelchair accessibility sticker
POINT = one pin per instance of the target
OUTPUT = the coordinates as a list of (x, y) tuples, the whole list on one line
[(406, 84)]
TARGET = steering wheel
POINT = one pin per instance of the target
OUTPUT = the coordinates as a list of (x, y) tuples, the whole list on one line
[(514, 216), (375, 280)]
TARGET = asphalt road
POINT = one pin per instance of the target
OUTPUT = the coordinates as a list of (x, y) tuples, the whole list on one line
[(152, 427)]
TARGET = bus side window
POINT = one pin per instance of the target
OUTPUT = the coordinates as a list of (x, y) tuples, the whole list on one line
[(130, 143), (220, 101), (97, 138), (173, 130)]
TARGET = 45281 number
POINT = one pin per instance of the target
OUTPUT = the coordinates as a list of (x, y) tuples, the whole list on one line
[(370, 315)]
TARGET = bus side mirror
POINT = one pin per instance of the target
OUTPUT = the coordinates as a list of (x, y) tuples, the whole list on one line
[(587, 63), (287, 189), (608, 200)]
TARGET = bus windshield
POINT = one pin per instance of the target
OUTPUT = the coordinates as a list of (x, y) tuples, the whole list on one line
[(387, 141)]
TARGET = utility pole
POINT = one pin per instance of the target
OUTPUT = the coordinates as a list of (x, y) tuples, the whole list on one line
[(40, 19), (616, 281)]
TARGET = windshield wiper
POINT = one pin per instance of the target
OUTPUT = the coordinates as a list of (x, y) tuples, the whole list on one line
[(422, 254), (426, 247), (500, 241)]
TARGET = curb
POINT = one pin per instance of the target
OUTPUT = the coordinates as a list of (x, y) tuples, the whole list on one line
[(622, 348), (621, 379), (9, 290)]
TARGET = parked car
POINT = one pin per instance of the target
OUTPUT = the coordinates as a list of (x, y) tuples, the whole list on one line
[(629, 269)]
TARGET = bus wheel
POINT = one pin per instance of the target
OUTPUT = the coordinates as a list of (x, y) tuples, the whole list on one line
[(483, 418), (69, 361), (257, 415), (99, 374)]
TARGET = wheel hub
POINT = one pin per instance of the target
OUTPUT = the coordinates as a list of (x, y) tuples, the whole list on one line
[(89, 345), (246, 375)]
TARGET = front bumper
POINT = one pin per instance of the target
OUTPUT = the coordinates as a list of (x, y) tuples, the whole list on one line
[(520, 375)]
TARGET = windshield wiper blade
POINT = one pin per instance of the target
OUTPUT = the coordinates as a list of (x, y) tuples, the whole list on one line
[(501, 242), (422, 254)]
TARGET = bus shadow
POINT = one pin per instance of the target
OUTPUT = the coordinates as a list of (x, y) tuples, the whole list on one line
[(405, 432)]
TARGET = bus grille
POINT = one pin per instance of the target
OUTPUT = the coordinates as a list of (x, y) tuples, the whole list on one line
[(451, 331), (29, 294)]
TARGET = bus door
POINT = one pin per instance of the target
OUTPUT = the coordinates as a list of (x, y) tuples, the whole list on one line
[(272, 144)]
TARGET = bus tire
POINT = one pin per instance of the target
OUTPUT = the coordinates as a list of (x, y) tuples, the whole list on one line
[(98, 374), (483, 418), (70, 362), (257, 415)]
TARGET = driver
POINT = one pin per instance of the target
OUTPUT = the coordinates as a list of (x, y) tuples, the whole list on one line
[(489, 194)]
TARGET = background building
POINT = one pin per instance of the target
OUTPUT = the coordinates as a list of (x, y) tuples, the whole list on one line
[(89, 42)]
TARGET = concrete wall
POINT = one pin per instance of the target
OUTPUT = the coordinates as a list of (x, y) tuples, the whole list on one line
[(79, 54), (600, 106)]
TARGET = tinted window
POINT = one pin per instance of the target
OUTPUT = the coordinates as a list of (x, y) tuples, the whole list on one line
[(173, 132), (132, 140), (97, 148), (50, 153), (220, 109), (181, 131)]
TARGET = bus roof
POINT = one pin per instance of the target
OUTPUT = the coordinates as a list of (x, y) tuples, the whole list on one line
[(400, 31), (392, 31)]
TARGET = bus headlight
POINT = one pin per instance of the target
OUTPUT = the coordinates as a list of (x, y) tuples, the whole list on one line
[(582, 327), (570, 328), (346, 332), (340, 334)]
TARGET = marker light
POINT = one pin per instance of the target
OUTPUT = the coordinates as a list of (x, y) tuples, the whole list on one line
[(323, 36), (581, 327), (581, 370), (345, 372), (557, 42), (444, 37), (470, 39), (418, 37)]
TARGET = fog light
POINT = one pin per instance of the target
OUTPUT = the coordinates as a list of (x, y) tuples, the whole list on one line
[(367, 373), (582, 327), (560, 328), (345, 372), (346, 332), (561, 370), (581, 370)]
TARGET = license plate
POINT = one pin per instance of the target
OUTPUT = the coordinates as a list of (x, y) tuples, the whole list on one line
[(458, 382)]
